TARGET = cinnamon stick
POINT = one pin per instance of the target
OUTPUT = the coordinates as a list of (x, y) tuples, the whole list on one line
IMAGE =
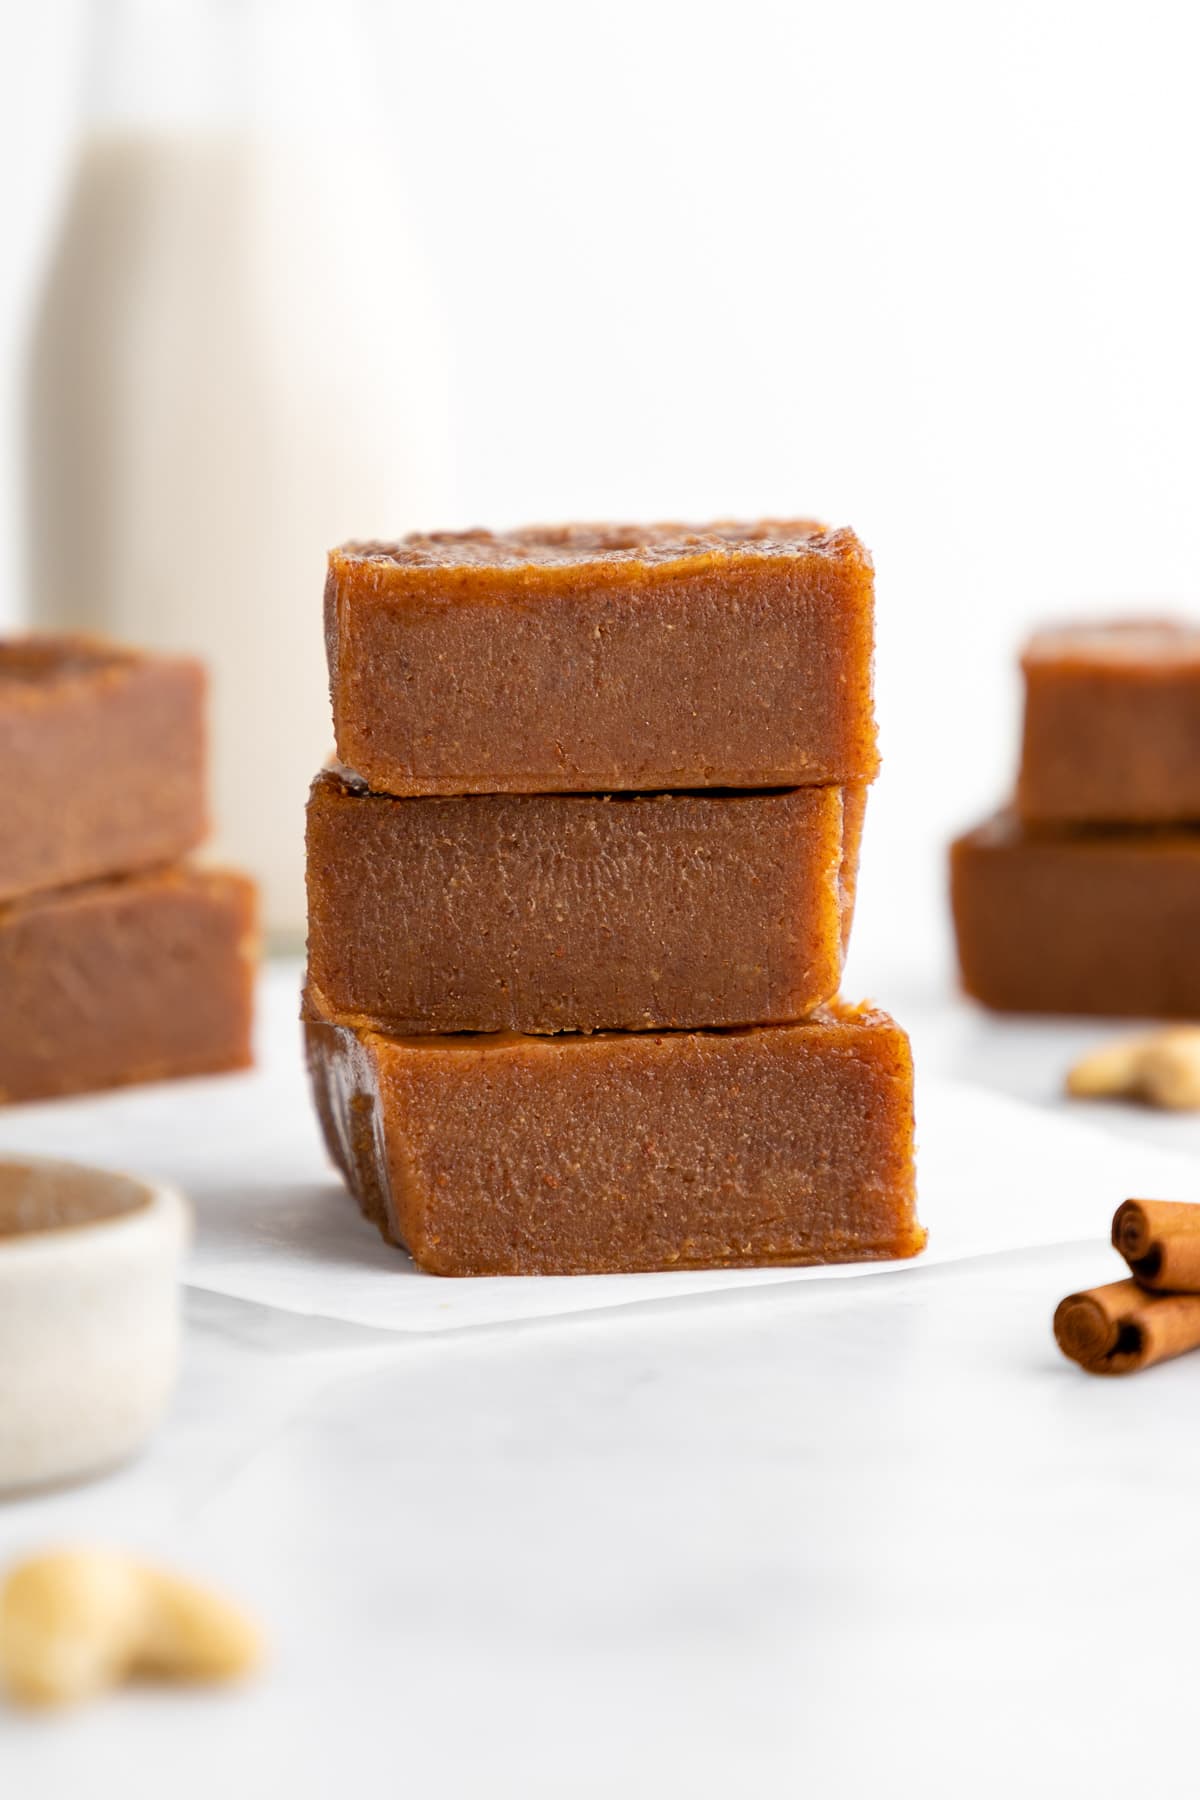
[(1118, 1329), (1160, 1240)]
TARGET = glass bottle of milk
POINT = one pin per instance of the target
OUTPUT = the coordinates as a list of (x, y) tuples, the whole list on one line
[(235, 366)]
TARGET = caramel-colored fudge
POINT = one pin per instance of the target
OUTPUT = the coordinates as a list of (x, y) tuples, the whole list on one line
[(1112, 725), (511, 1155), (101, 761), (126, 980), (1100, 921), (577, 912), (593, 658)]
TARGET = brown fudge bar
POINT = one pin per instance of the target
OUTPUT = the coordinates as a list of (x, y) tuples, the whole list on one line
[(509, 1155), (590, 658), (101, 761), (1112, 724), (1100, 921), (562, 912), (127, 980)]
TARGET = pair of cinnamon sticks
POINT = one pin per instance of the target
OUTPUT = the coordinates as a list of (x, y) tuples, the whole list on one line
[(1130, 1325)]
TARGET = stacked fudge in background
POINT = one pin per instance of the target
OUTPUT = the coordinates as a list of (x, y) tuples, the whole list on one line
[(1085, 897), (579, 891), (118, 962)]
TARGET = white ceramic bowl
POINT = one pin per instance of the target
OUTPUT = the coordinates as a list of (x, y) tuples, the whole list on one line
[(89, 1317)]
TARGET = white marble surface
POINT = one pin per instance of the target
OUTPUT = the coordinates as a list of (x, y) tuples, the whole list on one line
[(833, 1535)]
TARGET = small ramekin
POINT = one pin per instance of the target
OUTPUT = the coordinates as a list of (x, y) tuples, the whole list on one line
[(89, 1317)]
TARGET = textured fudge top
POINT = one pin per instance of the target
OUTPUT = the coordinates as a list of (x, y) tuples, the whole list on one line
[(185, 881), (1137, 644), (836, 1016), (337, 777), (34, 661), (550, 548), (1007, 831), (34, 666)]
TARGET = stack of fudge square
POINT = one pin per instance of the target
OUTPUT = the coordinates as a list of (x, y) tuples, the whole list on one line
[(579, 887), (1084, 895), (119, 960)]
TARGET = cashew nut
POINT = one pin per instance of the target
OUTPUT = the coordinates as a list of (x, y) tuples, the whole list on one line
[(74, 1622), (1162, 1069)]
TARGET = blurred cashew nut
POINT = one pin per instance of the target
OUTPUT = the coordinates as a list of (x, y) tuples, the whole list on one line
[(1162, 1069), (75, 1622)]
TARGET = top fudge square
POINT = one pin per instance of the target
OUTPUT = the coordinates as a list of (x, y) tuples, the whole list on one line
[(1112, 724), (598, 658), (101, 761)]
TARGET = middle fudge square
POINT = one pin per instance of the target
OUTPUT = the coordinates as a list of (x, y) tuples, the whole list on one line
[(543, 913)]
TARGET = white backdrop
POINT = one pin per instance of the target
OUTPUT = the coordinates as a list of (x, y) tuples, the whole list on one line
[(927, 269)]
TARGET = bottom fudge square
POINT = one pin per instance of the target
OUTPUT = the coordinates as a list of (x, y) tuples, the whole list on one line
[(131, 980), (1100, 921), (511, 1155)]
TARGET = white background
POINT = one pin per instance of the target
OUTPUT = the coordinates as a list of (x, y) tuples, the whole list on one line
[(927, 269)]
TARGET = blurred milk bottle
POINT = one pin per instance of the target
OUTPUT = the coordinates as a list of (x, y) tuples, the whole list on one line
[(235, 366)]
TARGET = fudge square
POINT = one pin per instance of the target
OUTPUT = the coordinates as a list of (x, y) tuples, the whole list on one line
[(120, 981), (577, 912), (102, 756), (1112, 724), (592, 658), (510, 1155), (1088, 921)]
